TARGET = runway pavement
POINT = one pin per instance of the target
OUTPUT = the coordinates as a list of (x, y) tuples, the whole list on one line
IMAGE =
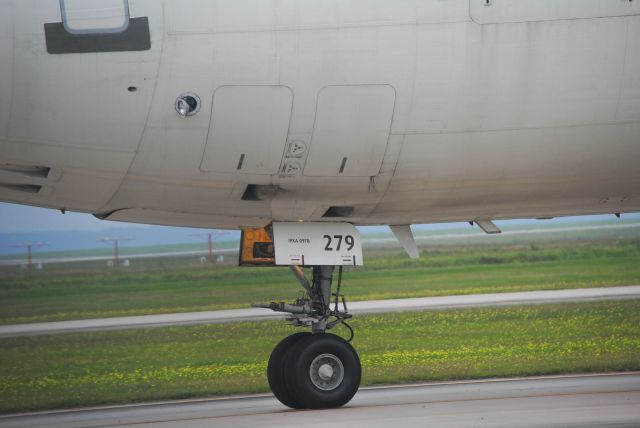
[(611, 400), (373, 306)]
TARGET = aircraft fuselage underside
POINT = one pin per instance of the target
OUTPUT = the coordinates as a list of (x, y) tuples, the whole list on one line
[(238, 113)]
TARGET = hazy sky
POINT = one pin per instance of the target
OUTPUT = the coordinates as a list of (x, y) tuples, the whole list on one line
[(20, 218)]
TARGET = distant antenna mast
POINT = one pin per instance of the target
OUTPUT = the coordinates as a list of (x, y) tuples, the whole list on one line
[(29, 246), (210, 236), (116, 247)]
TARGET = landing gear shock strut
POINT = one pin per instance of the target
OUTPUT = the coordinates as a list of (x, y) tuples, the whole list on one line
[(317, 369)]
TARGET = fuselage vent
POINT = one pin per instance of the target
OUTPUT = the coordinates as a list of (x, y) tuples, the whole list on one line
[(339, 212), (24, 188), (27, 170)]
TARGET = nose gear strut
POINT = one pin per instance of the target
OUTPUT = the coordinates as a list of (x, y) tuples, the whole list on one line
[(313, 307)]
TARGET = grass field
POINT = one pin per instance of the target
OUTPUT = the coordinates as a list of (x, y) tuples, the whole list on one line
[(149, 364), (59, 295)]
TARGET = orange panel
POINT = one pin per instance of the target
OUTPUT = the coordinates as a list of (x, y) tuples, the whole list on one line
[(256, 247)]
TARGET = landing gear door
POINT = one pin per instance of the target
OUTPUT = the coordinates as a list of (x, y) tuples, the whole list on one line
[(317, 244)]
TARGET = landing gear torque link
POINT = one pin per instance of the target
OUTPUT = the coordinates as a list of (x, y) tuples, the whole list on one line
[(314, 369)]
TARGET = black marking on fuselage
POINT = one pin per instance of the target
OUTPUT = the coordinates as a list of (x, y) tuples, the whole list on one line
[(241, 162), (343, 165), (135, 38)]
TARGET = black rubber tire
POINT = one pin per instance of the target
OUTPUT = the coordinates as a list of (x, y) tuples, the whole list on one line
[(276, 369), (298, 362)]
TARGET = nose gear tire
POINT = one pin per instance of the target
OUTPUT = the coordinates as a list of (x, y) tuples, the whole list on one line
[(301, 380), (276, 370)]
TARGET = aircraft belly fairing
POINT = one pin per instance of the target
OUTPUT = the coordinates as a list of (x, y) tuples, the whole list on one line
[(419, 111)]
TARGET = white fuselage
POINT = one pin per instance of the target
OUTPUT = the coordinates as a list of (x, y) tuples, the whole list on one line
[(389, 111)]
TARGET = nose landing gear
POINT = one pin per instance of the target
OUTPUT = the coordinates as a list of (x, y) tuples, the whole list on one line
[(314, 370)]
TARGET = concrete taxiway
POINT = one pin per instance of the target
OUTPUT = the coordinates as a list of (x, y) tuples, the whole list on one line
[(611, 400), (373, 306)]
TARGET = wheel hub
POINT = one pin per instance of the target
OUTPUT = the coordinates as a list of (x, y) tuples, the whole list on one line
[(326, 372)]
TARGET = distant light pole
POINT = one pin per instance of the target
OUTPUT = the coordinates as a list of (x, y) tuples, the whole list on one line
[(116, 247), (210, 236), (29, 246)]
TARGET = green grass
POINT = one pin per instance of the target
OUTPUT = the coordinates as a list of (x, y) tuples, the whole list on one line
[(179, 362), (52, 295), (125, 250)]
